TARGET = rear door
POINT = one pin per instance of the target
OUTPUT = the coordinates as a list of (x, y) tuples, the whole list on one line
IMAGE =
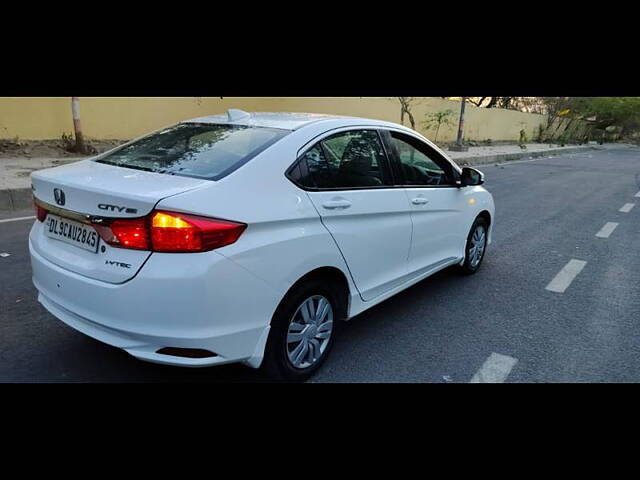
[(437, 204), (348, 179)]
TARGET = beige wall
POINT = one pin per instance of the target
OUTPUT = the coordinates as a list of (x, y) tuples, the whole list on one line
[(37, 118)]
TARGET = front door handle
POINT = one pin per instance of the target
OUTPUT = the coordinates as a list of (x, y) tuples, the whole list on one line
[(336, 204), (419, 201)]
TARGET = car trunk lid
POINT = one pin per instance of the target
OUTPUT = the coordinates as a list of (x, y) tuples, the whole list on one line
[(87, 191)]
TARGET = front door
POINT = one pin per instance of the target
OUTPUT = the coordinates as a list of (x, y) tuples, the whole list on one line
[(437, 205)]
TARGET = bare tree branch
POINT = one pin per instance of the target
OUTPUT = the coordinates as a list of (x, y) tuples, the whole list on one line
[(477, 101), (405, 108), (492, 102)]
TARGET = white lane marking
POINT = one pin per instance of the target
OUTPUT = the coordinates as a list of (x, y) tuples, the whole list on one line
[(607, 230), (626, 208), (495, 369), (637, 195), (17, 219), (565, 276), (4, 255)]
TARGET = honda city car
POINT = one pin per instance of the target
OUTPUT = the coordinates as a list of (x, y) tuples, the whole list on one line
[(250, 237)]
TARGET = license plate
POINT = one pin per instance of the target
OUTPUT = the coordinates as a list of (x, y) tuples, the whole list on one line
[(71, 232)]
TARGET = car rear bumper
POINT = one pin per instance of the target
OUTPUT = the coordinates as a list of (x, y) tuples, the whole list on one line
[(172, 302)]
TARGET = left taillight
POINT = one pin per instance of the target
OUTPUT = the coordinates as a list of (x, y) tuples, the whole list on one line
[(171, 232), (132, 233), (41, 213)]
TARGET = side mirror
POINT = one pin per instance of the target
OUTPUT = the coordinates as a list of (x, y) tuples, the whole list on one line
[(471, 177)]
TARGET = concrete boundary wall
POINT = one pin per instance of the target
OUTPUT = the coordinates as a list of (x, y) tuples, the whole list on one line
[(122, 118), (21, 198)]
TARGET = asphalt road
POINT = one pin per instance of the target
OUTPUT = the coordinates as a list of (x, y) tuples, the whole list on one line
[(501, 323)]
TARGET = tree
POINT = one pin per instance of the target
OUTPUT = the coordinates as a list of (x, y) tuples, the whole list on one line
[(572, 117), (593, 113), (477, 101), (523, 104), (436, 120), (606, 112), (522, 142), (553, 106), (80, 146), (406, 103), (579, 116), (500, 102), (492, 103)]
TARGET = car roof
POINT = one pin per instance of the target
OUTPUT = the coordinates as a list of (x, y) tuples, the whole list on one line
[(282, 120)]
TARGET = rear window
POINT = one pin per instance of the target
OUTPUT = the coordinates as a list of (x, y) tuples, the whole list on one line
[(199, 150)]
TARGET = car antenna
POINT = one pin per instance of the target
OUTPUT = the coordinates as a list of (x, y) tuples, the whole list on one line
[(234, 114)]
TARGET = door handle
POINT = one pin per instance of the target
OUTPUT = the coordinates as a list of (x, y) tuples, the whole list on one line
[(419, 201), (336, 204)]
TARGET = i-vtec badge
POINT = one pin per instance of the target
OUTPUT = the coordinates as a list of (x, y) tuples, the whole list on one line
[(117, 264), (116, 208)]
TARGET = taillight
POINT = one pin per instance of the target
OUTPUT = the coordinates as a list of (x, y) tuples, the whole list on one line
[(179, 232), (126, 233), (170, 232), (41, 213)]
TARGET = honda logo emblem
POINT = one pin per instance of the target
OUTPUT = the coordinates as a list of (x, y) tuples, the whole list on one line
[(59, 196)]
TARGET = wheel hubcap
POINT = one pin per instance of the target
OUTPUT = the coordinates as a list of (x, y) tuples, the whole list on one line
[(309, 331), (478, 244)]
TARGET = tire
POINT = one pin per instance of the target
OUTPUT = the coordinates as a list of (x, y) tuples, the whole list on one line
[(277, 361), (471, 263)]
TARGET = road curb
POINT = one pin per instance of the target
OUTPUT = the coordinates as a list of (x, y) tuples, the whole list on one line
[(16, 199), (508, 157)]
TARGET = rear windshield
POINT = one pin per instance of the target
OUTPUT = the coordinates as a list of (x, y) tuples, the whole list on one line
[(195, 149)]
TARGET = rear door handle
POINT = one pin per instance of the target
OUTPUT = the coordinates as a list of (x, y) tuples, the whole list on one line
[(336, 204), (419, 201)]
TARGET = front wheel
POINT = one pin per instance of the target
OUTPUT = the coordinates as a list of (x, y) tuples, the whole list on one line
[(476, 246), (303, 330)]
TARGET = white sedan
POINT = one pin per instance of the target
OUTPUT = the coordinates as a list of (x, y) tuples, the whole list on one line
[(250, 237)]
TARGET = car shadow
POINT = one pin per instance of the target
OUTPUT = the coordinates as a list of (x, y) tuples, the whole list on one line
[(103, 363)]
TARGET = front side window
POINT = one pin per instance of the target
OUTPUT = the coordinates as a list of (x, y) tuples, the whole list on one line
[(417, 167), (198, 150)]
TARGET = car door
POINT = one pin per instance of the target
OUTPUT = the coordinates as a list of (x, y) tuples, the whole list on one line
[(348, 179), (437, 204)]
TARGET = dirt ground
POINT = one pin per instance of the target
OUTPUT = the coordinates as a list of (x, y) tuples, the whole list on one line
[(50, 148)]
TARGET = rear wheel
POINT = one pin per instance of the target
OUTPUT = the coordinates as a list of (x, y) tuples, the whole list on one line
[(303, 330), (476, 246)]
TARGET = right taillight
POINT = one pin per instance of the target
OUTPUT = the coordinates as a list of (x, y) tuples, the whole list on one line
[(171, 232)]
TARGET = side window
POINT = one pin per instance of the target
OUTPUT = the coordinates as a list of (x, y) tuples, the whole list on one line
[(353, 159), (312, 169), (356, 159), (335, 147), (417, 167)]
